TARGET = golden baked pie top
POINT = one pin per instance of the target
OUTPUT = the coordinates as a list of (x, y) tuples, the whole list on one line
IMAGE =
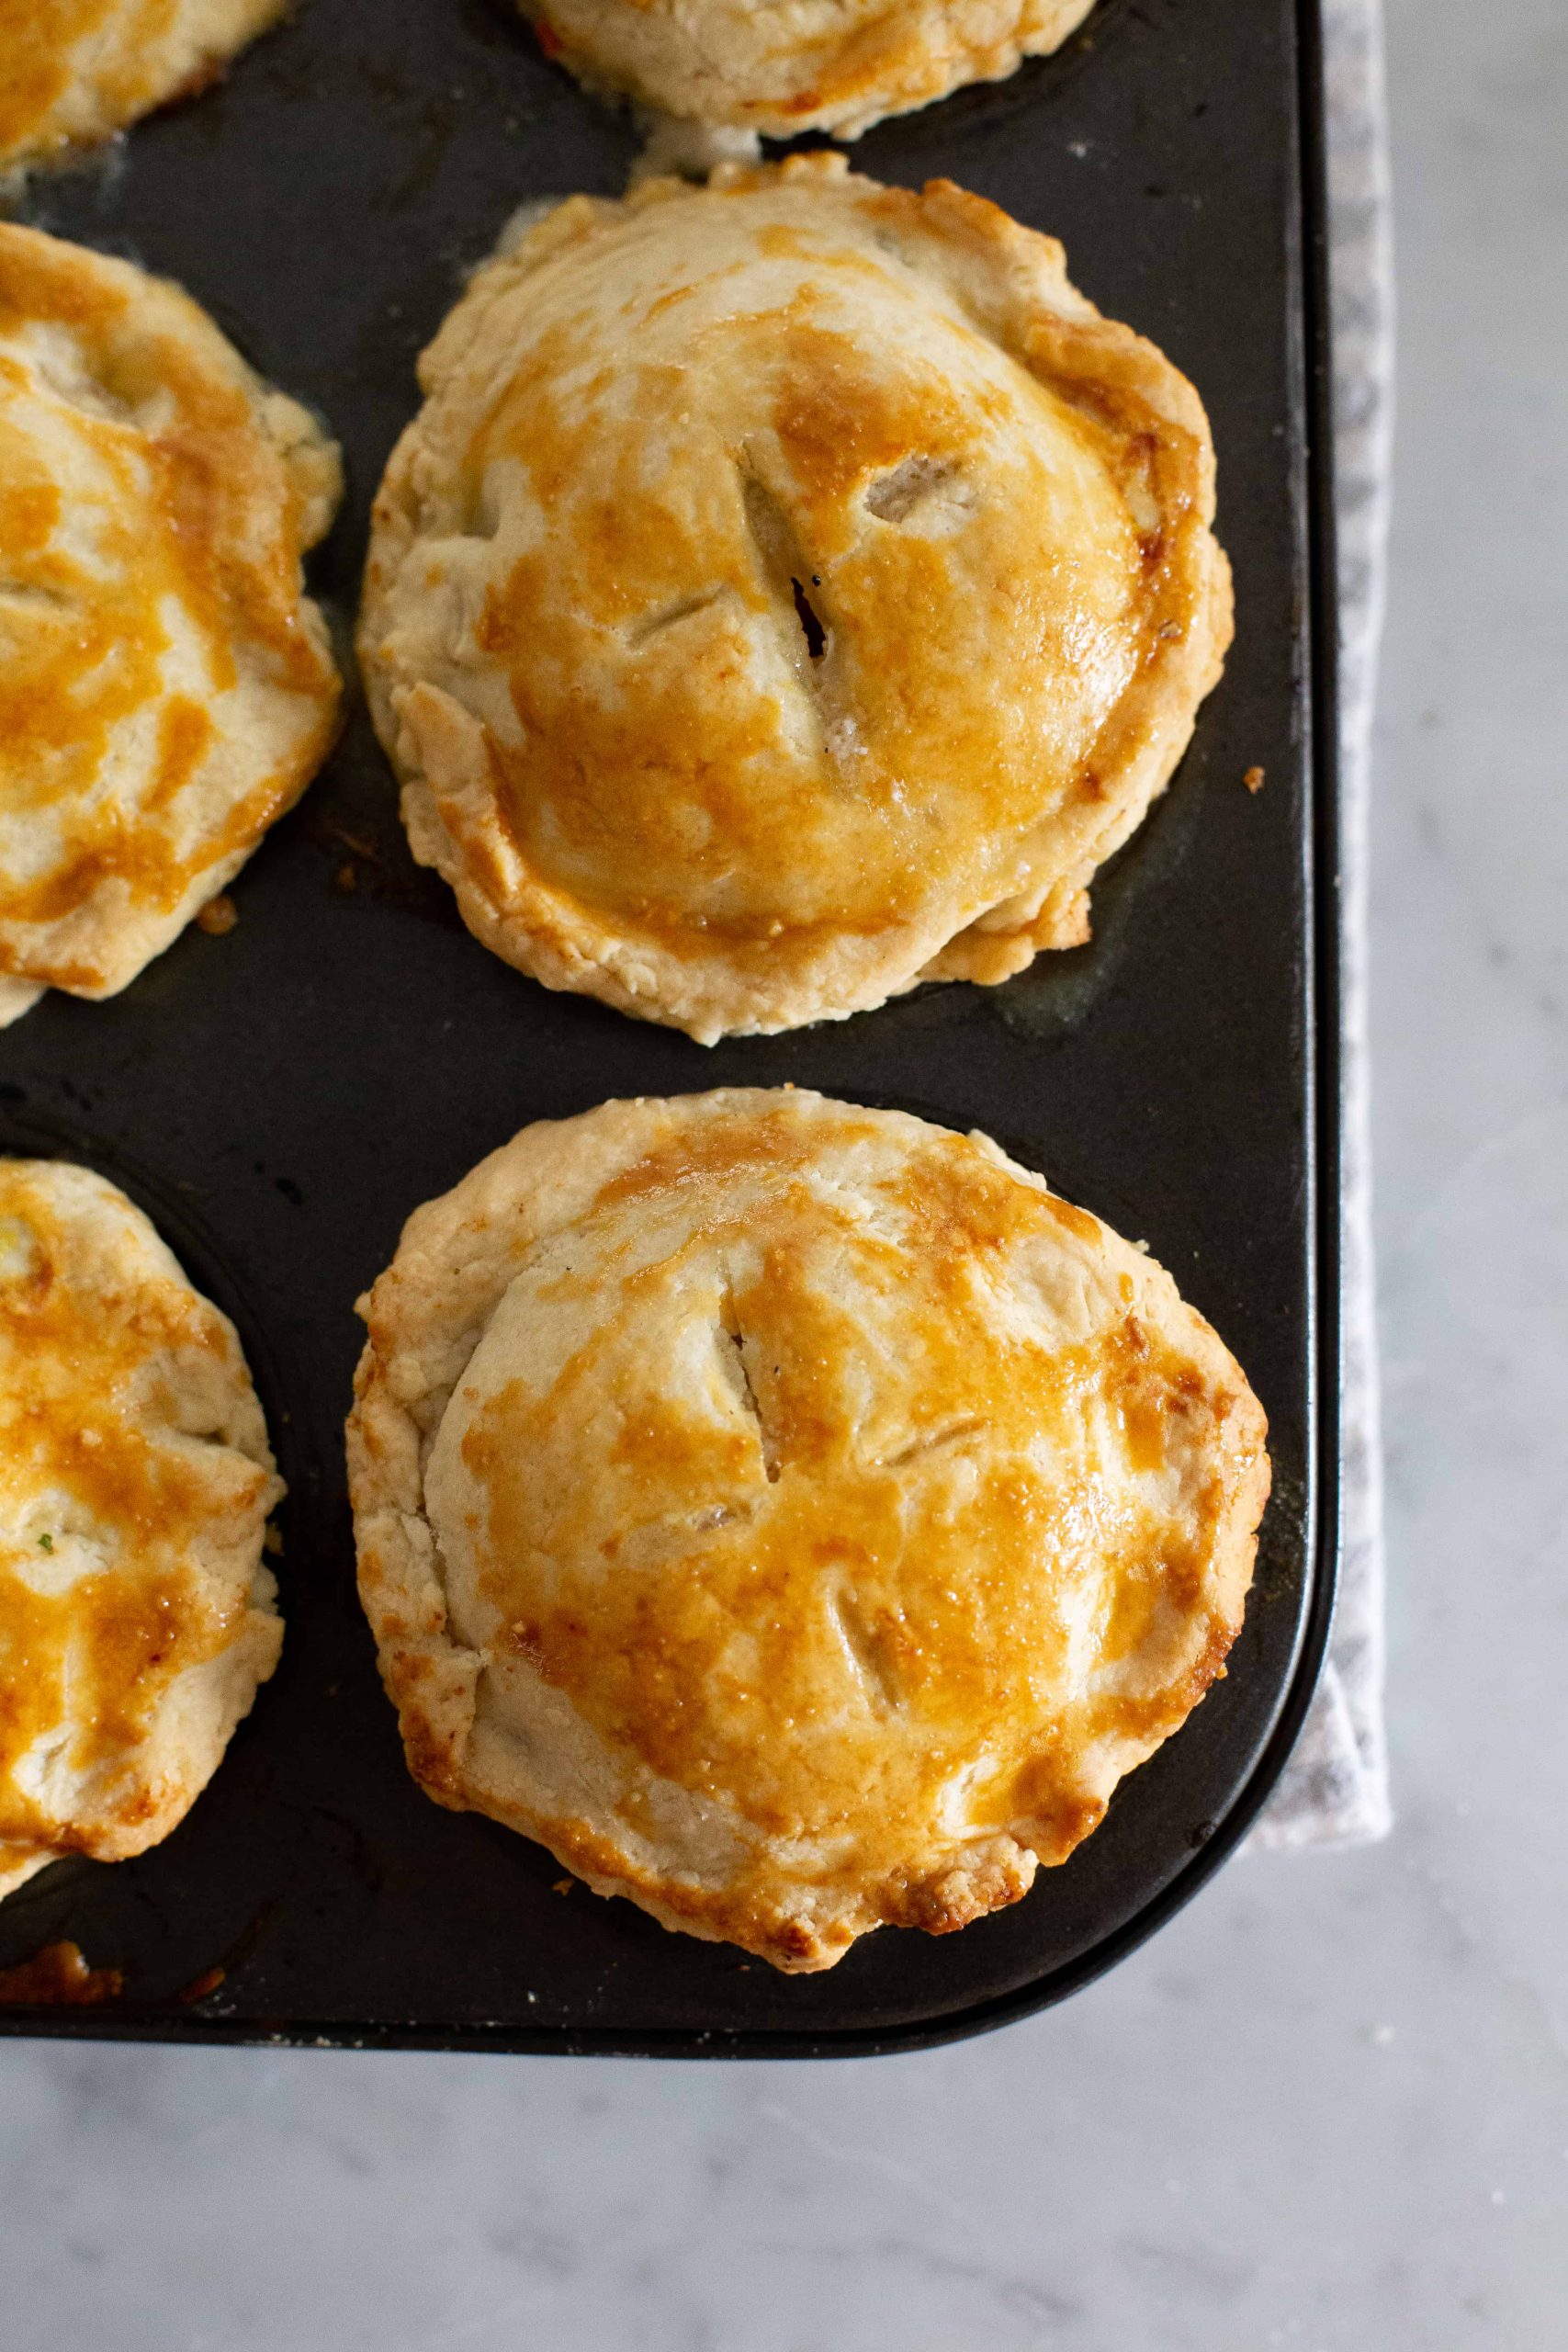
[(166, 689), (795, 1516), (790, 589), (136, 1618), (836, 65), (74, 71)]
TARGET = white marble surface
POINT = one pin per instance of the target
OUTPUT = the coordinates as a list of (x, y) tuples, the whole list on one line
[(1329, 2109)]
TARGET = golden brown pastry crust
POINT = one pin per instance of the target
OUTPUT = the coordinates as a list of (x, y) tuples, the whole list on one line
[(794, 1516), (166, 688), (790, 591), (74, 71), (136, 1617), (786, 66)]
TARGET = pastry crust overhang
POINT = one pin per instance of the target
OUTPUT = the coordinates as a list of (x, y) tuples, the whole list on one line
[(166, 688), (794, 1516), (135, 1615), (792, 65), (74, 71), (791, 590)]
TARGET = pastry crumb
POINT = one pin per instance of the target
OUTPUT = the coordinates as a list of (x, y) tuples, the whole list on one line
[(218, 915), (674, 146), (1252, 779)]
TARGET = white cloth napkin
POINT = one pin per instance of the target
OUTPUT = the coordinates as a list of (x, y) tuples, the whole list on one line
[(1334, 1791)]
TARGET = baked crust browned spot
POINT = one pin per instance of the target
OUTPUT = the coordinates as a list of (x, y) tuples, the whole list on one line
[(791, 590), (166, 688), (136, 1616), (795, 1517), (74, 71), (836, 65)]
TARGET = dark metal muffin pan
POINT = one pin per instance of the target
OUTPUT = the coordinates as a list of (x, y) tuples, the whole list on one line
[(281, 1097)]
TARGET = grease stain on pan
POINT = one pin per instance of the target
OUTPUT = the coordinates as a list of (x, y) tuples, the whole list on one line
[(57, 1976)]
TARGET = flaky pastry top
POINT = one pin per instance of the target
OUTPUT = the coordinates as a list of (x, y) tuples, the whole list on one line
[(790, 589), (795, 1516), (793, 65), (166, 687), (135, 1615), (74, 71)]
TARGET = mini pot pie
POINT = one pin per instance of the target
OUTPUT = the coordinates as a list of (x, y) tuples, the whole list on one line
[(77, 70), (166, 688), (136, 1617), (836, 65), (791, 590), (795, 1517)]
